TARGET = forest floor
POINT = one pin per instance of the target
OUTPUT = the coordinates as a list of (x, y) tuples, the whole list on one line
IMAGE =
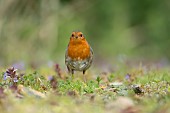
[(49, 90)]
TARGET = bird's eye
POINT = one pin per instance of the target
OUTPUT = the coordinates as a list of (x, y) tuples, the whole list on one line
[(72, 35), (81, 35)]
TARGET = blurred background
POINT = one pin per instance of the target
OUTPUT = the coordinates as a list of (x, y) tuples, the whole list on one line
[(36, 32)]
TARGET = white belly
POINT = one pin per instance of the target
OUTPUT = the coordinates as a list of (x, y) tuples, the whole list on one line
[(78, 65)]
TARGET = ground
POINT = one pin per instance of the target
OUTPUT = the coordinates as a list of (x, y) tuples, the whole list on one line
[(143, 89)]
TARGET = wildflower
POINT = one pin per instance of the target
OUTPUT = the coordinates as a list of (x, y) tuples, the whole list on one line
[(11, 72), (58, 70), (5, 76), (127, 77)]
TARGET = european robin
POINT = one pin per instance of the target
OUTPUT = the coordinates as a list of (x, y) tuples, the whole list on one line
[(79, 54)]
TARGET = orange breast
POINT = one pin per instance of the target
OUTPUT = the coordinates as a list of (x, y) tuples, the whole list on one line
[(78, 50)]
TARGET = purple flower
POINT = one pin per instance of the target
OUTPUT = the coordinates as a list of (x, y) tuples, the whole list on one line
[(50, 78), (11, 73), (58, 70), (127, 77), (15, 79), (5, 76)]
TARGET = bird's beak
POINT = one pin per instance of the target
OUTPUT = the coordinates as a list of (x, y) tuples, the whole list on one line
[(76, 37)]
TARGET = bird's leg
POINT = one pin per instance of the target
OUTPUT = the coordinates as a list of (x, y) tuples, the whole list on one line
[(84, 72), (84, 76), (68, 69), (72, 73)]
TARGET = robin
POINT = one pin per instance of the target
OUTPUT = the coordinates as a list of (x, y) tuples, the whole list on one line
[(79, 54)]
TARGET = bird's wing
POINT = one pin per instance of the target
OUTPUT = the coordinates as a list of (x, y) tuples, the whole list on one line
[(91, 56), (91, 50), (66, 55)]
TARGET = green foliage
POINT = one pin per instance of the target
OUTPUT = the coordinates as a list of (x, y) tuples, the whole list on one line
[(77, 86), (98, 79), (91, 86), (68, 85), (111, 78), (36, 81), (148, 91)]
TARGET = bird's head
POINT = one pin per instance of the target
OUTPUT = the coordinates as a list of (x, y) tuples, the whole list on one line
[(77, 36)]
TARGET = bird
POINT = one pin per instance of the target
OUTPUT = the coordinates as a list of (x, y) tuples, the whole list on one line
[(79, 54)]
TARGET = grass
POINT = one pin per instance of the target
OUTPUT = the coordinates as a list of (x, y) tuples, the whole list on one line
[(46, 90)]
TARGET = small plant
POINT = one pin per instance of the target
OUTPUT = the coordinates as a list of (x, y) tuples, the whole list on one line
[(91, 86), (35, 81), (98, 79), (53, 82), (11, 73), (110, 78), (58, 70)]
